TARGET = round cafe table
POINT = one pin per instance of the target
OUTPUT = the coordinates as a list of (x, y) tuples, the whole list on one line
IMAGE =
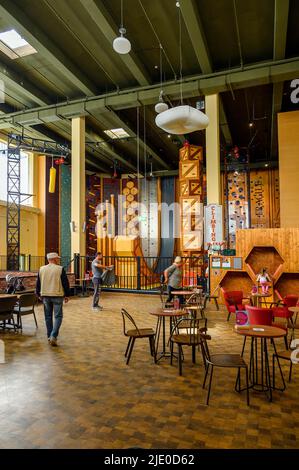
[(161, 314), (259, 369), (256, 299)]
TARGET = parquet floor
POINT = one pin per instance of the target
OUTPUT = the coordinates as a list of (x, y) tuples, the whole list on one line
[(82, 394)]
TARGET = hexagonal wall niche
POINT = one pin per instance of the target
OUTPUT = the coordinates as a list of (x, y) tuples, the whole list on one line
[(232, 279), (288, 283), (264, 257)]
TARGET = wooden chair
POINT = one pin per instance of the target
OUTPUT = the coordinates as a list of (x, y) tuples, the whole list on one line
[(136, 333), (186, 332), (6, 312), (223, 360), (25, 306), (286, 356), (195, 306)]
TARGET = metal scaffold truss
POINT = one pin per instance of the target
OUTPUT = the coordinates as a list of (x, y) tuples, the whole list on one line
[(13, 204)]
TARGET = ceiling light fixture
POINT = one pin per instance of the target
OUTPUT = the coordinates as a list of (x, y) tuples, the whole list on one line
[(181, 119), (122, 45), (160, 107)]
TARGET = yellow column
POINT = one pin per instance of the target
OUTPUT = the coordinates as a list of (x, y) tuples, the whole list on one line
[(78, 242), (39, 200), (213, 150), (288, 144)]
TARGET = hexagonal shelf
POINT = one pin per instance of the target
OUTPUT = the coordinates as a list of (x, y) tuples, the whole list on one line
[(232, 279), (288, 283), (264, 257)]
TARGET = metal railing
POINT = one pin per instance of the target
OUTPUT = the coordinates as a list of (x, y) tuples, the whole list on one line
[(133, 273), (136, 273)]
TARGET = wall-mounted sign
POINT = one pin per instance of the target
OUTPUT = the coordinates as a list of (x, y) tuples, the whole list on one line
[(213, 225)]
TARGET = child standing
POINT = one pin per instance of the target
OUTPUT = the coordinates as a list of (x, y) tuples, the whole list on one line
[(263, 278)]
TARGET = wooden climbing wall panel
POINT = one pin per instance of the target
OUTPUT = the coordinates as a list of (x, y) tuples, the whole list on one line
[(264, 198), (191, 198), (93, 199), (129, 210)]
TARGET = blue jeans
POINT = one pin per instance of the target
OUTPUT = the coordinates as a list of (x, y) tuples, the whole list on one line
[(50, 304)]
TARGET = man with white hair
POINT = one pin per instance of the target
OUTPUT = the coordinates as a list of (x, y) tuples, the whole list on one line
[(52, 286), (173, 277)]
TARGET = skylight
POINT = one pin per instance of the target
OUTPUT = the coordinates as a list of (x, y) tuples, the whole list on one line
[(119, 133), (13, 45)]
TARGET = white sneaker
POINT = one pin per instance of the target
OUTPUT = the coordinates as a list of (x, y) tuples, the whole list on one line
[(99, 307)]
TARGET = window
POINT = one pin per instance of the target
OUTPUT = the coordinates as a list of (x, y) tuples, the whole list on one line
[(24, 185), (14, 46), (119, 133)]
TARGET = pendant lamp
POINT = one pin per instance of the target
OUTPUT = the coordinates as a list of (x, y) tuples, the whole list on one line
[(182, 120), (121, 44)]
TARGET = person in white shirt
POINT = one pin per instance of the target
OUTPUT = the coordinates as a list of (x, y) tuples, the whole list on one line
[(263, 278)]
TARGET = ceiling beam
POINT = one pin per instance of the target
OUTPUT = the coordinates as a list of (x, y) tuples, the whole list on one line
[(195, 29), (103, 20), (252, 75), (37, 38), (281, 15), (23, 87)]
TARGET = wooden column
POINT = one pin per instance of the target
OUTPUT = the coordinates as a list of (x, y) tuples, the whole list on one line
[(78, 239), (213, 150)]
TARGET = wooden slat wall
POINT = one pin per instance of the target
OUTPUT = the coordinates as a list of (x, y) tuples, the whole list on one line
[(288, 142)]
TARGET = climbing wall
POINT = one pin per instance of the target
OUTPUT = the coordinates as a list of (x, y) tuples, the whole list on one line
[(149, 217), (264, 198), (191, 198), (93, 198), (237, 214), (129, 215)]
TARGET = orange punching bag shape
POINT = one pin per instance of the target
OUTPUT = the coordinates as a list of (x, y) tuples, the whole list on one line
[(52, 180)]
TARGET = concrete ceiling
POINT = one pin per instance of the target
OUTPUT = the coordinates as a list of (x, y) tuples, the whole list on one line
[(245, 50)]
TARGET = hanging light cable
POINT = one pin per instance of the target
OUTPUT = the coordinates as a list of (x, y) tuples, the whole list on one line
[(161, 106), (121, 44), (181, 119)]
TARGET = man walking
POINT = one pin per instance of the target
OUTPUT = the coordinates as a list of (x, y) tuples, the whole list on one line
[(97, 271), (52, 286)]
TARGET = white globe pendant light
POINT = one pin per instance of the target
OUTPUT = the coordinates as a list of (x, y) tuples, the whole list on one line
[(182, 120), (121, 44)]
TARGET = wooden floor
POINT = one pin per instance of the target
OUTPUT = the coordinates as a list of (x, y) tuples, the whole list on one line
[(82, 394)]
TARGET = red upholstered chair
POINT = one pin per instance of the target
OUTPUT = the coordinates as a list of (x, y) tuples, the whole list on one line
[(233, 300), (259, 316)]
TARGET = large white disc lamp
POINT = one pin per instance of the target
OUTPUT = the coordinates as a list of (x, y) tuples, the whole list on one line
[(121, 44), (182, 120)]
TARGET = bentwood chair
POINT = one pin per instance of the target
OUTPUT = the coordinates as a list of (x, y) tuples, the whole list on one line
[(223, 360), (25, 306), (186, 332), (286, 356), (136, 333), (6, 312)]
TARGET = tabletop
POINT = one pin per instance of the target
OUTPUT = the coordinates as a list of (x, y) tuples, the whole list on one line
[(183, 292), (294, 309), (258, 294), (260, 331), (168, 312)]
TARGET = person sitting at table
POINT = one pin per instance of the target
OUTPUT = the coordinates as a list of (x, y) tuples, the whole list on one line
[(263, 278), (173, 278)]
